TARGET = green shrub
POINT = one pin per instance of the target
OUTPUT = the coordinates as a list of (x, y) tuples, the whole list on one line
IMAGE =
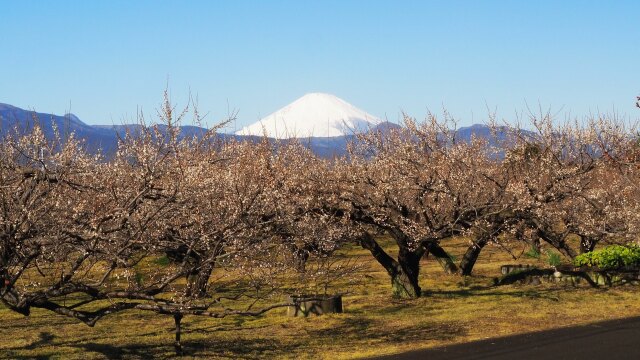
[(162, 261), (139, 278), (533, 252), (610, 257), (554, 258)]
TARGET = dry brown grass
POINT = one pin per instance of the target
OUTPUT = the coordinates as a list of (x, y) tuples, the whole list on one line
[(453, 310)]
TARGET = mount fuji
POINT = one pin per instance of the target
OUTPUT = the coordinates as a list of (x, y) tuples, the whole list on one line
[(315, 115)]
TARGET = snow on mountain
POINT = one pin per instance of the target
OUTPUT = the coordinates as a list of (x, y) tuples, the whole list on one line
[(313, 115)]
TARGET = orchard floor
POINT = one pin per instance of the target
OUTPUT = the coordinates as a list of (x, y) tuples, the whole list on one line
[(453, 310)]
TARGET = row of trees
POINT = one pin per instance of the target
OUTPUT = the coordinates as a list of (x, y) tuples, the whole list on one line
[(187, 226), (423, 186)]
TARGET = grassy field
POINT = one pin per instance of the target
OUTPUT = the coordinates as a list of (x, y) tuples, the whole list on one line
[(452, 310)]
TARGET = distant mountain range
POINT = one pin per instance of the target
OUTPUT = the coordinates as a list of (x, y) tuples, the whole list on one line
[(96, 137), (105, 137)]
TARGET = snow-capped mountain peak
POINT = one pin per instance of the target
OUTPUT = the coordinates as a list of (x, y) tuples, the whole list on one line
[(313, 115)]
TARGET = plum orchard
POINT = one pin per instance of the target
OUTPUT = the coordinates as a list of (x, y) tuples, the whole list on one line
[(201, 226), (422, 185), (175, 226)]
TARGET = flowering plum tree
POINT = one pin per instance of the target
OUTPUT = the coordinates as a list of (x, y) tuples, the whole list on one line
[(146, 229)]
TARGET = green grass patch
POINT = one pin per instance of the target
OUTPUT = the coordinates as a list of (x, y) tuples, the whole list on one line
[(162, 261)]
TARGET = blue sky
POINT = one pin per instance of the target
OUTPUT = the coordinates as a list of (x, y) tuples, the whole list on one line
[(104, 59)]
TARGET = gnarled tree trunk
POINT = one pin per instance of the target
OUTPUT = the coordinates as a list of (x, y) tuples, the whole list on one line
[(404, 272), (404, 279), (442, 257), (471, 256), (198, 281)]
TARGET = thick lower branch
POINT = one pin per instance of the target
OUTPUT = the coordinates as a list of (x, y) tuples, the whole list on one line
[(441, 256)]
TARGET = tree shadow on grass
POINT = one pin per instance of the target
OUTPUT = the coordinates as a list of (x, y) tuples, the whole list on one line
[(242, 348), (212, 347), (232, 349), (358, 328), (13, 356), (394, 308), (44, 338), (223, 328), (549, 294)]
